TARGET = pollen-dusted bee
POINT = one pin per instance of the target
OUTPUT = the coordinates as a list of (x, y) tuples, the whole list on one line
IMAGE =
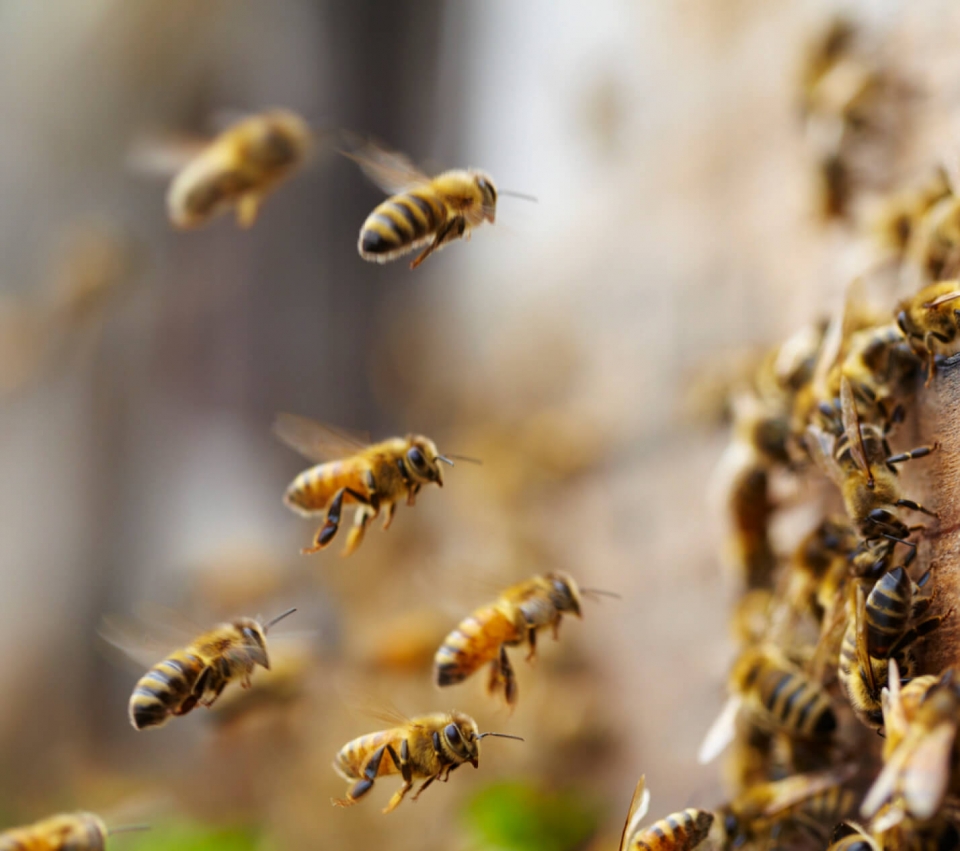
[(882, 628), (198, 674), (931, 319), (68, 832), (374, 476), (682, 831), (422, 210), (426, 747), (239, 168), (777, 696), (858, 459), (514, 618)]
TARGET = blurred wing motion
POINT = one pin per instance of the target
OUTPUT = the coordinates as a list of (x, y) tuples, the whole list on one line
[(392, 171), (317, 441), (638, 809), (163, 155), (721, 732)]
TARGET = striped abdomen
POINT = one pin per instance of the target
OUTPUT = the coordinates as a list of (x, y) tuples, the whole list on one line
[(164, 689), (352, 757), (887, 612), (203, 190), (794, 703), (681, 831), (313, 489), (473, 643), (401, 223), (830, 806)]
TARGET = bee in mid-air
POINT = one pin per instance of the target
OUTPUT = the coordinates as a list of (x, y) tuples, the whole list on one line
[(422, 210), (428, 747), (931, 319), (239, 168), (883, 627), (197, 674), (514, 618), (374, 476), (681, 831), (69, 832)]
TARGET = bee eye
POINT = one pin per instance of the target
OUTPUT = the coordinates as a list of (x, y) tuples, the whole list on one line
[(452, 732), (415, 457), (248, 633)]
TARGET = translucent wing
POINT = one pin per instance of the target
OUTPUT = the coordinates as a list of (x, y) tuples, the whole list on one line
[(886, 783), (638, 809), (829, 353), (317, 441), (894, 719), (132, 646), (392, 171), (927, 772), (943, 299), (851, 428), (721, 732), (820, 445), (793, 790)]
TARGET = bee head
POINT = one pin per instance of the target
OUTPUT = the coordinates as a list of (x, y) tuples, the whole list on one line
[(564, 593), (254, 641), (281, 138), (488, 195), (88, 831), (460, 738), (423, 460)]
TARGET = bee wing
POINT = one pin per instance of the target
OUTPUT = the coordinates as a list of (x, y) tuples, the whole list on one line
[(894, 719), (638, 809), (885, 785), (820, 446), (138, 650), (927, 772), (163, 155), (829, 353), (851, 426), (721, 732), (786, 793), (317, 441), (943, 299), (860, 631), (392, 171)]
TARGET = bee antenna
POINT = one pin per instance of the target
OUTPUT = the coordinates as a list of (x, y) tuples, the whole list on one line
[(466, 458), (130, 828), (278, 618), (500, 736), (599, 592), (445, 459), (522, 195)]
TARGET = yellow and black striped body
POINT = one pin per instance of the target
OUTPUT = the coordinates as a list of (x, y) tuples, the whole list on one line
[(682, 831), (476, 641), (441, 210), (198, 673), (751, 510), (74, 832), (780, 696), (829, 807), (238, 169), (353, 757)]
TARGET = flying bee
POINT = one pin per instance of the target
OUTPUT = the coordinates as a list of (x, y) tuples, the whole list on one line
[(197, 674), (815, 800), (681, 831), (931, 318), (514, 618), (421, 210), (239, 168), (883, 627), (776, 695), (374, 476), (917, 771), (429, 746), (857, 457), (72, 832)]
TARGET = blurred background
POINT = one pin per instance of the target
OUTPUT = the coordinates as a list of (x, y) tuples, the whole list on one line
[(580, 347)]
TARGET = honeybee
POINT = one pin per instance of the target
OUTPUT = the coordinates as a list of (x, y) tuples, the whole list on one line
[(897, 220), (917, 771), (816, 799), (931, 317), (239, 168), (882, 628), (422, 210), (934, 247), (682, 831), (71, 832), (374, 476), (819, 565), (199, 673), (777, 696), (908, 835), (428, 746), (514, 618), (859, 462)]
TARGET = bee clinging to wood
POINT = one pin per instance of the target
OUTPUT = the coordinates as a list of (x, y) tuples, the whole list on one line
[(931, 320), (427, 747), (198, 674), (514, 618), (374, 476), (239, 168), (421, 210)]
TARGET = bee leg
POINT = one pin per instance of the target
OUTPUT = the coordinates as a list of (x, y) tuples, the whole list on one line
[(915, 506), (247, 208), (216, 693), (360, 520), (508, 678), (452, 230), (426, 783), (450, 768), (390, 510), (365, 783), (532, 641), (412, 494), (403, 763), (332, 523), (919, 452), (194, 697), (912, 634)]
